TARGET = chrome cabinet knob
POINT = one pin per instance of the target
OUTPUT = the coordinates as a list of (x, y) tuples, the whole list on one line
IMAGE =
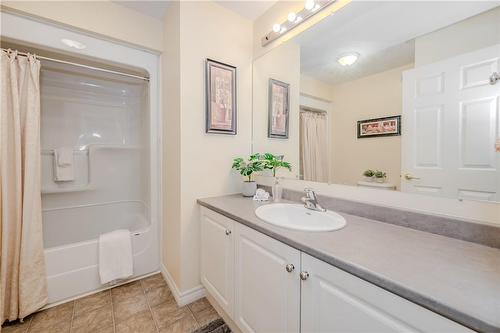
[(228, 232), (289, 268), (304, 275)]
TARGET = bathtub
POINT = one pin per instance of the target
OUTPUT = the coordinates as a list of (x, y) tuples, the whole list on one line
[(71, 236)]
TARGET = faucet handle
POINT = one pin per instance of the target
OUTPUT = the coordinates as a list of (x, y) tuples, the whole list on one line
[(310, 193)]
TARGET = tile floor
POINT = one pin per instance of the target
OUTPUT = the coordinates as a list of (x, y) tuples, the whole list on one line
[(141, 306)]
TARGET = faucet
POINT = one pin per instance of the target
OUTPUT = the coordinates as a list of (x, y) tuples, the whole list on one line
[(311, 200)]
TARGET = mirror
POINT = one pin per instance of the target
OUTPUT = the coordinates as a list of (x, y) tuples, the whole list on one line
[(397, 96)]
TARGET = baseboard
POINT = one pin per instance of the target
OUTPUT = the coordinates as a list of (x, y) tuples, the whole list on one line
[(186, 297)]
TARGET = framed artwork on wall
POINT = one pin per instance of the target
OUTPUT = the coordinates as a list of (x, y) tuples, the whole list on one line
[(279, 109), (387, 126), (220, 97)]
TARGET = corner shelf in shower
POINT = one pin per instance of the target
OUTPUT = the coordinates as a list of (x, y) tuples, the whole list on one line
[(88, 152)]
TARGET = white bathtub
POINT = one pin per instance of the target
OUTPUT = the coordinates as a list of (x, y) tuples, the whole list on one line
[(71, 244)]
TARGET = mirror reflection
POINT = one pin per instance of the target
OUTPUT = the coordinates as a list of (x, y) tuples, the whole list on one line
[(409, 105)]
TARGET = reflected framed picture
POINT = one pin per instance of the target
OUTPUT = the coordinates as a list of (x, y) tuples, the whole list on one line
[(279, 109), (220, 97), (387, 126)]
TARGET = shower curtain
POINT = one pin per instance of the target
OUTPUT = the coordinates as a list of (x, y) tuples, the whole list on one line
[(313, 146), (23, 286)]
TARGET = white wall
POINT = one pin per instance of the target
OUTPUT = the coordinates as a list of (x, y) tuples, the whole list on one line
[(201, 162), (472, 34), (103, 18)]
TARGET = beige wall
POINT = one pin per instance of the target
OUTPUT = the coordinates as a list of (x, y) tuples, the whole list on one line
[(283, 64), (198, 164), (315, 88), (474, 33), (373, 96), (104, 18)]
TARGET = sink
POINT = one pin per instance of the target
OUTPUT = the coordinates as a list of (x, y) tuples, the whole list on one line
[(297, 217)]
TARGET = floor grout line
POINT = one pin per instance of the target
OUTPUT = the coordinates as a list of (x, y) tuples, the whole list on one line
[(112, 310), (72, 316), (149, 306)]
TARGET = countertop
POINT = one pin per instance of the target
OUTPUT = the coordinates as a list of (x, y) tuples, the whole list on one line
[(457, 279)]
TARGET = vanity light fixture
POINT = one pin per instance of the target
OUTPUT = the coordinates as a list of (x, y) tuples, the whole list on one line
[(348, 59), (73, 43), (311, 7)]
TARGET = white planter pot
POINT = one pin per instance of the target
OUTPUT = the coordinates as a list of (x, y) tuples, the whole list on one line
[(248, 189), (368, 179)]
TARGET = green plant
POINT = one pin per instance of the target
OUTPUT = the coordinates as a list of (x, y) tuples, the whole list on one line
[(380, 174), (272, 162), (247, 168), (369, 173)]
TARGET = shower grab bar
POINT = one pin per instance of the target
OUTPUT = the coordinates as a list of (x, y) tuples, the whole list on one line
[(96, 204)]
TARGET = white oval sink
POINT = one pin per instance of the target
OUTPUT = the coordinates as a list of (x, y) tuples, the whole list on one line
[(298, 217)]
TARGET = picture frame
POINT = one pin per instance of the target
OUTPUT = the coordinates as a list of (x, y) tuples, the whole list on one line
[(386, 126), (221, 107), (278, 109)]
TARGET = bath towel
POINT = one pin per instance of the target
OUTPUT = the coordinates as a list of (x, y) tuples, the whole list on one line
[(63, 165), (115, 255)]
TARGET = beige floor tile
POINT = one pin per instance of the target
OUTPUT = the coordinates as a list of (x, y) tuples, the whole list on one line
[(167, 313), (139, 323), (93, 302), (16, 327), (127, 307), (200, 305), (186, 324), (158, 295), (90, 321), (126, 291), (57, 318), (153, 281), (204, 317)]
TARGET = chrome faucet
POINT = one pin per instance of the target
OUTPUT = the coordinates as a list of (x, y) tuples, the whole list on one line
[(311, 200)]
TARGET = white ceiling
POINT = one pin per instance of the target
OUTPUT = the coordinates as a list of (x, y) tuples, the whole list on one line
[(382, 33), (250, 9)]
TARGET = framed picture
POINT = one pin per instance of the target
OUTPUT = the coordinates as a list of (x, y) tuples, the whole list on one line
[(387, 126), (220, 97), (279, 109)]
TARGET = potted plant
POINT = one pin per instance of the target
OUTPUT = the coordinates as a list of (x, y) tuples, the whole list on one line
[(369, 175), (380, 176), (246, 169), (273, 162)]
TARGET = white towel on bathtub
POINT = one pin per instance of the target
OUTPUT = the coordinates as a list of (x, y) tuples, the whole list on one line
[(115, 255), (63, 165)]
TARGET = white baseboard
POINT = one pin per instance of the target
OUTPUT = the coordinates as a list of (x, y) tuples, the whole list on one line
[(185, 297)]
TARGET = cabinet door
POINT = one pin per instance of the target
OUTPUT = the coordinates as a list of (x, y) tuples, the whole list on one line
[(217, 258), (335, 301), (267, 294)]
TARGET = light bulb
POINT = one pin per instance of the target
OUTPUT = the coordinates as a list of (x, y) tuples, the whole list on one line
[(309, 4), (348, 59), (292, 16), (299, 18), (276, 27), (282, 30)]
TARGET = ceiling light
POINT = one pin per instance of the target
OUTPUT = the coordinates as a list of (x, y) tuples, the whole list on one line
[(282, 30), (309, 4), (299, 18), (73, 43), (348, 59), (292, 16), (276, 27)]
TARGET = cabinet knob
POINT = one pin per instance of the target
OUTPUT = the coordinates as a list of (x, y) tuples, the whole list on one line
[(289, 268), (228, 232), (304, 275)]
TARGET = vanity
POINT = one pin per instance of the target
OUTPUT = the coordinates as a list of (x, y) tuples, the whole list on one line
[(368, 276)]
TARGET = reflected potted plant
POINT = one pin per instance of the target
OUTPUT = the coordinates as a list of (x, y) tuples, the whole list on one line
[(273, 163), (369, 174), (380, 176), (246, 169)]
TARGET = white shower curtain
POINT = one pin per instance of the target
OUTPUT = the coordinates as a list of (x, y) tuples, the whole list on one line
[(23, 286), (313, 146)]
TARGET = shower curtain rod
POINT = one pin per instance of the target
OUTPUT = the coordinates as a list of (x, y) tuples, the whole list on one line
[(84, 66)]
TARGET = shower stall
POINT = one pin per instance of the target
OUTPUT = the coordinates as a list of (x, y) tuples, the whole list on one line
[(107, 117)]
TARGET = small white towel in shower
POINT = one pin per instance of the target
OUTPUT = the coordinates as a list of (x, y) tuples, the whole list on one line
[(63, 165), (115, 255)]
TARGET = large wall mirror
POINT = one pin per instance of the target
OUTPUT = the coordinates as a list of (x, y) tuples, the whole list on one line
[(397, 96)]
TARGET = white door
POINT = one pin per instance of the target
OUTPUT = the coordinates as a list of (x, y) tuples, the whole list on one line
[(450, 125), (333, 301), (267, 286), (217, 258)]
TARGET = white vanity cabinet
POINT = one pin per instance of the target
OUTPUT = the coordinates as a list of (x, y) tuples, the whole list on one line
[(217, 257), (267, 283), (265, 286)]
